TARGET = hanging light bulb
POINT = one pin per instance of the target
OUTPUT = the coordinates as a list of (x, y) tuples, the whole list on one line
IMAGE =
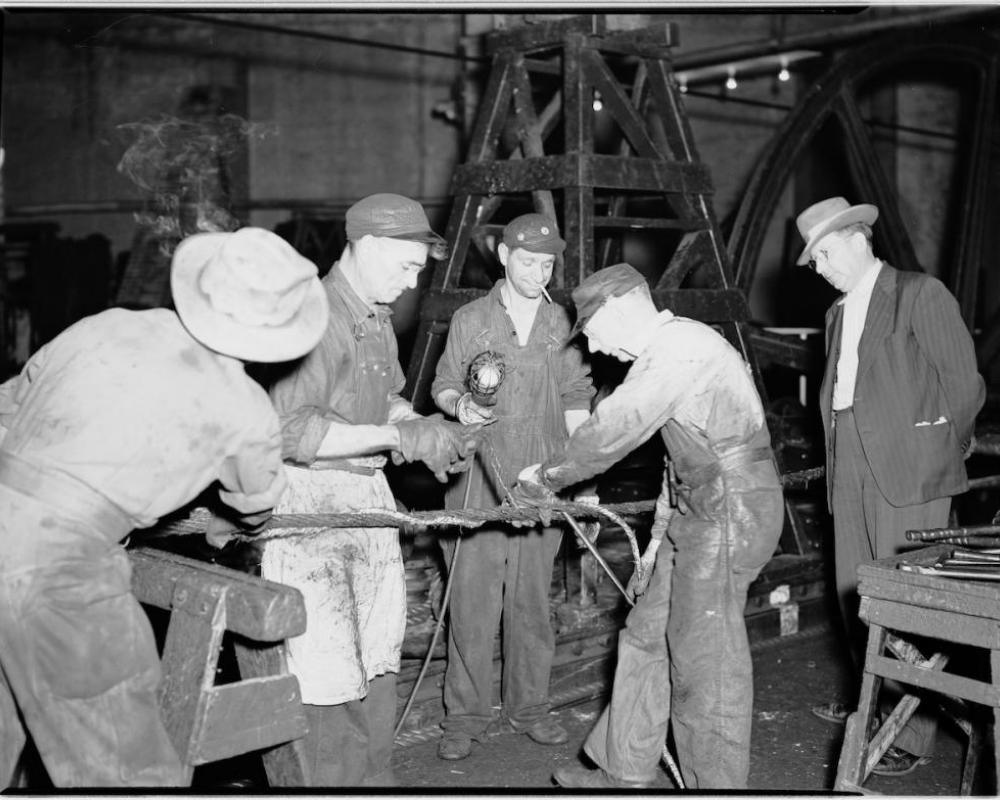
[(598, 103), (683, 84), (784, 74), (731, 80)]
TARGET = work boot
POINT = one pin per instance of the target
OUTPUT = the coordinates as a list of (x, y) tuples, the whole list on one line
[(579, 777), (897, 762), (546, 730), (454, 746), (834, 712)]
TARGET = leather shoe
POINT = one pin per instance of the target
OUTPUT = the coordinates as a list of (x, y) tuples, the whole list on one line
[(547, 730), (579, 777), (896, 763), (454, 746), (832, 712)]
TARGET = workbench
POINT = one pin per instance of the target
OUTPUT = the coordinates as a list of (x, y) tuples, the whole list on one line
[(949, 610)]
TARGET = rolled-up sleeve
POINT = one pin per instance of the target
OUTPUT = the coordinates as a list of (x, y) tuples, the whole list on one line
[(575, 382), (300, 400), (450, 373), (253, 478)]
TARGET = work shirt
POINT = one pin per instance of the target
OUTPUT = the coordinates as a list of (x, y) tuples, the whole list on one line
[(855, 304), (128, 403), (352, 376), (543, 379), (687, 375)]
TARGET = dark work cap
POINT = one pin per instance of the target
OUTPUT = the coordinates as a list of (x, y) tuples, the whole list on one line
[(391, 216), (536, 233), (613, 281)]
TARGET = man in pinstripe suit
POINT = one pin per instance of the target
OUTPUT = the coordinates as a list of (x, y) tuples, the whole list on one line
[(899, 400)]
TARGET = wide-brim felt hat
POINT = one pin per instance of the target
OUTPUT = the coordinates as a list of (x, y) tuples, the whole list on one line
[(827, 216), (248, 294)]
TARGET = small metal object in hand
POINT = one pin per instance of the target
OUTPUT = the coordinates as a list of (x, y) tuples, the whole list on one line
[(486, 373)]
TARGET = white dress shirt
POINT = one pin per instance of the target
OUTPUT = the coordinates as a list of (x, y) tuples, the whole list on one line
[(855, 304)]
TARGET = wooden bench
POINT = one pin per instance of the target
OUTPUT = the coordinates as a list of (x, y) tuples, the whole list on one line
[(260, 712), (945, 609)]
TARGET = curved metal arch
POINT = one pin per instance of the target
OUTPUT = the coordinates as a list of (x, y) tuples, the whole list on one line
[(832, 95)]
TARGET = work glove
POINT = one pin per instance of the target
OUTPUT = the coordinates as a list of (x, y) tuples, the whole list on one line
[(639, 581), (221, 530), (591, 528), (443, 446), (469, 412), (530, 492)]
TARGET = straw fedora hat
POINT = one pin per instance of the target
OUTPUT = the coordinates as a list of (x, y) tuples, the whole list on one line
[(830, 215), (248, 294)]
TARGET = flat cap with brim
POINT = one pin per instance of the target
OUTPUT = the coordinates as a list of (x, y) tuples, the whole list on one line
[(827, 216), (613, 281), (392, 216), (248, 295), (535, 233)]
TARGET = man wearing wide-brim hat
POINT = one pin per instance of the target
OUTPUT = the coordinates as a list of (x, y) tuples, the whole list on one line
[(124, 417), (341, 415), (899, 400)]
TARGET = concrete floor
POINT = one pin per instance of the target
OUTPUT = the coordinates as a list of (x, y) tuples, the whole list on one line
[(792, 751)]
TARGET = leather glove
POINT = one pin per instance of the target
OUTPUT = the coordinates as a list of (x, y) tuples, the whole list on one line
[(639, 581), (220, 530), (469, 412), (591, 528), (439, 444), (529, 491)]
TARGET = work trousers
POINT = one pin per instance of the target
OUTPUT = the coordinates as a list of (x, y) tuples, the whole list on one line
[(77, 655), (866, 528), (500, 572), (684, 656), (350, 744)]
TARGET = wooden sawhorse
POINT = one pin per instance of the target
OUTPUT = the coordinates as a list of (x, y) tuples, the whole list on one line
[(263, 710), (946, 609)]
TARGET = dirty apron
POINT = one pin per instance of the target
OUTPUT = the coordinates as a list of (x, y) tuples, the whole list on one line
[(503, 571), (684, 656), (351, 579), (78, 651)]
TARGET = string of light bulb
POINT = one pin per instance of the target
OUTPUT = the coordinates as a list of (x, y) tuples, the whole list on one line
[(778, 64)]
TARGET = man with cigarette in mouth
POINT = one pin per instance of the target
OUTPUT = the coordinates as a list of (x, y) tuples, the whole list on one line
[(502, 570)]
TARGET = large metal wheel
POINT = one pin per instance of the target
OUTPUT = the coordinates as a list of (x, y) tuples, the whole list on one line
[(832, 116)]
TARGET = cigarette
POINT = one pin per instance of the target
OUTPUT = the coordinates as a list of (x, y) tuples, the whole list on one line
[(545, 294)]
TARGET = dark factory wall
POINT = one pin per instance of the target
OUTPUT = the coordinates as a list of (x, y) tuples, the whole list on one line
[(329, 121)]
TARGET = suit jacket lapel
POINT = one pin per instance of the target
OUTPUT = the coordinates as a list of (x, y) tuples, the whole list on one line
[(834, 328), (879, 319)]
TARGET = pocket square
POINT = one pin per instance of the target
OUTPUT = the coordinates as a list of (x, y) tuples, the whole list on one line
[(939, 421)]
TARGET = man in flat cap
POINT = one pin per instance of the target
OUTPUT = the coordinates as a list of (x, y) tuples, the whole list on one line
[(504, 571), (899, 401), (683, 657), (341, 414), (125, 417)]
